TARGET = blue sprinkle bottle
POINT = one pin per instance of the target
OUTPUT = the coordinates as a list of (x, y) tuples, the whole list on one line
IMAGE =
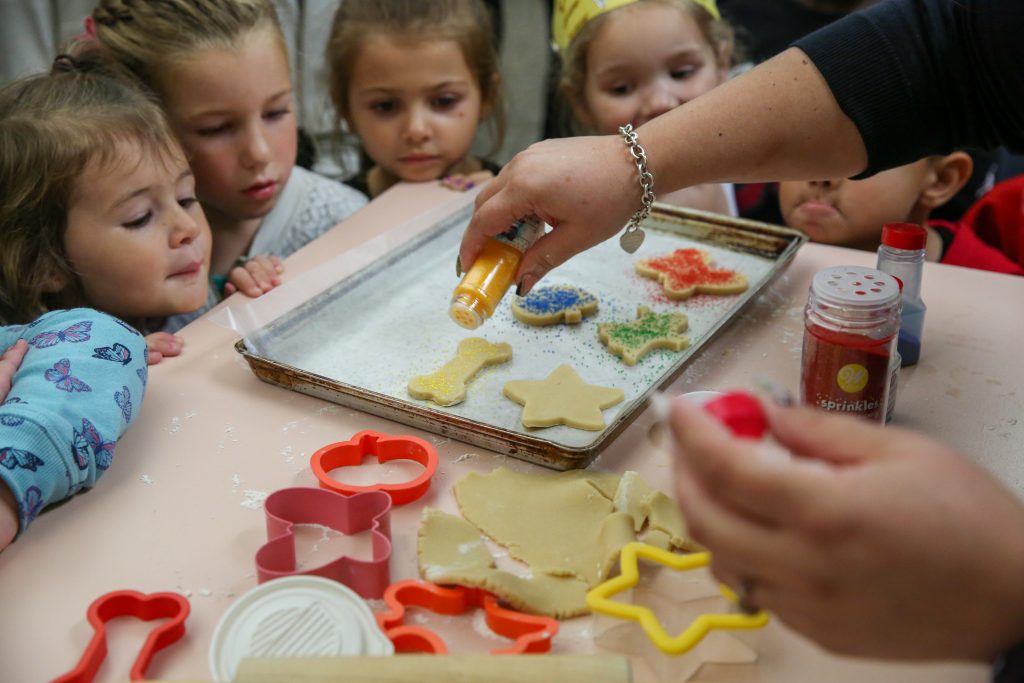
[(902, 256)]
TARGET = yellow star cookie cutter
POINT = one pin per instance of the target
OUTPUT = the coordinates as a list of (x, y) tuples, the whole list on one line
[(598, 600)]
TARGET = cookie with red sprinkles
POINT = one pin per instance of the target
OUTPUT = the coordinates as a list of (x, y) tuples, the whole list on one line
[(686, 272)]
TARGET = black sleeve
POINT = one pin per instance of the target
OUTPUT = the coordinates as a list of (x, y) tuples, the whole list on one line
[(922, 77)]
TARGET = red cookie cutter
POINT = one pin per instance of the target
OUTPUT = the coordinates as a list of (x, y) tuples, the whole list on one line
[(170, 606), (347, 514), (532, 633), (384, 448)]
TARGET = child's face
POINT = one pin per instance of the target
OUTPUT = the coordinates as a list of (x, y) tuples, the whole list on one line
[(234, 112), (645, 60), (137, 237), (414, 106), (851, 213)]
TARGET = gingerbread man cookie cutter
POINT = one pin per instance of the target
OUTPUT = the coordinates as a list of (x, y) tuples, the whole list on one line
[(530, 633), (447, 386), (384, 448), (128, 603), (347, 514)]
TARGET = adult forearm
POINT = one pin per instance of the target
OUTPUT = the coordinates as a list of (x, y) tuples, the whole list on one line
[(779, 121)]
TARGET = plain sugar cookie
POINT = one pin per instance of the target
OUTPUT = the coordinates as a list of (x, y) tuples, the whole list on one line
[(632, 341), (554, 304), (562, 398), (447, 386), (686, 272)]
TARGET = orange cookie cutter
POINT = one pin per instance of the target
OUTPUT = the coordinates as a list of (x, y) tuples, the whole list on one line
[(349, 515), (531, 633), (127, 603), (384, 448)]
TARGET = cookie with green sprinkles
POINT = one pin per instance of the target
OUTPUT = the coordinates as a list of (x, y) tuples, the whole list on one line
[(632, 341), (554, 304)]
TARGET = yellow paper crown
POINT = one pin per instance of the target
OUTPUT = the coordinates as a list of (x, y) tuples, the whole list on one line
[(571, 15)]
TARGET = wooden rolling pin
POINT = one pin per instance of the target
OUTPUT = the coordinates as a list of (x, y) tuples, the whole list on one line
[(429, 668)]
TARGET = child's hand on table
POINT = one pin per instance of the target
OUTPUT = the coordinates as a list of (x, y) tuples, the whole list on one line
[(255, 276), (9, 363), (161, 345), (460, 182)]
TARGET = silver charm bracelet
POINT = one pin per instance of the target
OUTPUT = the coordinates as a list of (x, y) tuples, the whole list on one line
[(631, 240)]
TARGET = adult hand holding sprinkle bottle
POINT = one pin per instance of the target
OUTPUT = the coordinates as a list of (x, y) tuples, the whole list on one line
[(851, 527)]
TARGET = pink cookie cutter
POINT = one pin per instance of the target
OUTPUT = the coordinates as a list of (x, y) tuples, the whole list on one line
[(347, 514), (170, 606), (384, 448)]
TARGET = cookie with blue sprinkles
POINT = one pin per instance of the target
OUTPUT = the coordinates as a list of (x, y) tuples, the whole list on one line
[(554, 304)]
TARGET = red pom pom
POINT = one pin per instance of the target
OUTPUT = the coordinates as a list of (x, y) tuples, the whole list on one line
[(741, 412)]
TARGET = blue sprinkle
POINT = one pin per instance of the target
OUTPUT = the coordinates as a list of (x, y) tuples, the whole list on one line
[(555, 299)]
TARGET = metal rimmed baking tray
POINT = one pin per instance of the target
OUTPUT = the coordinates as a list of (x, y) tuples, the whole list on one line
[(358, 342)]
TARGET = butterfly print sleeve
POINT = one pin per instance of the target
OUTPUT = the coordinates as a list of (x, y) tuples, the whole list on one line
[(77, 390)]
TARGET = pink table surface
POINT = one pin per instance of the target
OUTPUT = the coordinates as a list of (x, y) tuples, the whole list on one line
[(168, 515)]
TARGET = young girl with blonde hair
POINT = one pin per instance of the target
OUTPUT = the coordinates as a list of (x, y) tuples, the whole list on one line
[(413, 80), (220, 69), (98, 210), (629, 61)]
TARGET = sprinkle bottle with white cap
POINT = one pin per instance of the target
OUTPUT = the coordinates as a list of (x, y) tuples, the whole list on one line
[(902, 255), (851, 323), (485, 283)]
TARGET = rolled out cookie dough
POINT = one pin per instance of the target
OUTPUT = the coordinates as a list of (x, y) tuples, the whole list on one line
[(568, 528), (451, 552)]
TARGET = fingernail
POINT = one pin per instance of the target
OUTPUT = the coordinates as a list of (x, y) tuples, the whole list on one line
[(525, 284), (470, 185), (458, 266)]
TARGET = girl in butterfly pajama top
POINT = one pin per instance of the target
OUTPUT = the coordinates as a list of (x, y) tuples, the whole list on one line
[(98, 211), (71, 398)]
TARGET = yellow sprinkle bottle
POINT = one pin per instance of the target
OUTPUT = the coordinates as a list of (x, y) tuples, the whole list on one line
[(490, 276)]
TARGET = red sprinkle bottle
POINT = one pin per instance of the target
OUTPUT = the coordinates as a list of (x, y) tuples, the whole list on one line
[(851, 324)]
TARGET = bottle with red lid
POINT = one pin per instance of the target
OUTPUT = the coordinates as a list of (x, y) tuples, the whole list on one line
[(902, 255), (851, 321)]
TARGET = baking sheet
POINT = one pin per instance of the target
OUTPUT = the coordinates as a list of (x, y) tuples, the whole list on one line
[(360, 341)]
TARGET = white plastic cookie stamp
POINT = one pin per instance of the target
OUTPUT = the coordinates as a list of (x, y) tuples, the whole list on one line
[(554, 304), (295, 616), (562, 398), (447, 386)]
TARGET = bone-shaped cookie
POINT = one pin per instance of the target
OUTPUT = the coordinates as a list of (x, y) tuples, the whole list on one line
[(447, 386)]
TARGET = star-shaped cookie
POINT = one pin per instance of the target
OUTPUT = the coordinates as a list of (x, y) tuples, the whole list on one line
[(686, 272), (562, 398), (632, 341)]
